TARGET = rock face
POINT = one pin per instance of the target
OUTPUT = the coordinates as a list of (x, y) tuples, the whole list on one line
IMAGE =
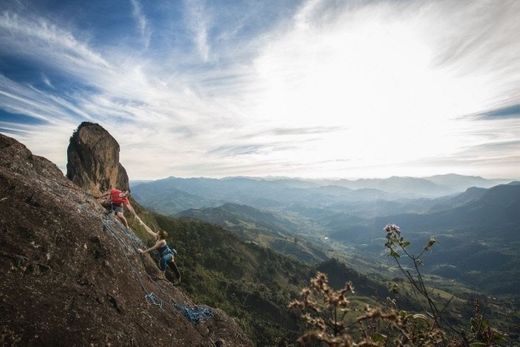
[(70, 276), (93, 160)]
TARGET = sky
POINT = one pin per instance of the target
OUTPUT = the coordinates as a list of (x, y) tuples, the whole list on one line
[(269, 88)]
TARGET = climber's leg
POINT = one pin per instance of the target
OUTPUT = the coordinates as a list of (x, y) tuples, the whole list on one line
[(165, 261), (122, 218), (176, 270)]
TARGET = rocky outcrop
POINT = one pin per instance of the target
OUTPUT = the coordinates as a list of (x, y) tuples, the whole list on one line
[(70, 276), (93, 160)]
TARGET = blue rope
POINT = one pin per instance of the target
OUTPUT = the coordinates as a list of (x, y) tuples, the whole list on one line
[(108, 227), (196, 314), (154, 299)]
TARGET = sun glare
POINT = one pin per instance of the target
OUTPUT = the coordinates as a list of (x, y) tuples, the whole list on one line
[(375, 81)]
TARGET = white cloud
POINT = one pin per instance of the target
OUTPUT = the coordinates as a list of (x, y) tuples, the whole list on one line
[(375, 70), (344, 90)]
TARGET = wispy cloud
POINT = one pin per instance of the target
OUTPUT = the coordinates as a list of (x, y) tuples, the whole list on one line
[(512, 111), (301, 131), (237, 150), (27, 100), (34, 35), (497, 147), (198, 22), (47, 81), (141, 21), (333, 89)]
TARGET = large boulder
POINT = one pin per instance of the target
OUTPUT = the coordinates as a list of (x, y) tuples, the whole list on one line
[(93, 160)]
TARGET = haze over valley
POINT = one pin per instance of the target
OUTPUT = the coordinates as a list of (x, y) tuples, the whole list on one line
[(467, 215)]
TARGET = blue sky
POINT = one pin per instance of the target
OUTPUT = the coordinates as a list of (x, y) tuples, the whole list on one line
[(294, 88)]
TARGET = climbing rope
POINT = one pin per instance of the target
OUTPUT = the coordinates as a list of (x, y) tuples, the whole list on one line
[(154, 299), (197, 313), (107, 226)]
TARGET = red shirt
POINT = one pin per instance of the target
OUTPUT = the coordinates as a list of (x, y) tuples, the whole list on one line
[(115, 196)]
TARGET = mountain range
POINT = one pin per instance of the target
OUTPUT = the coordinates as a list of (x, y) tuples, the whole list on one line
[(284, 192), (481, 223)]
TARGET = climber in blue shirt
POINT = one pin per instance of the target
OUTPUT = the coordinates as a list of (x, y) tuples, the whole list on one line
[(167, 254)]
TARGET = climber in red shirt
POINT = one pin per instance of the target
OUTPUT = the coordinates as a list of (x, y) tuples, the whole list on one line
[(119, 199)]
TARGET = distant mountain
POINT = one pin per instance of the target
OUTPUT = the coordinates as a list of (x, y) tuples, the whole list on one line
[(411, 187), (478, 236), (165, 198), (493, 209), (461, 183), (134, 183), (260, 227), (414, 187), (170, 195), (457, 200), (339, 193), (320, 198), (249, 191)]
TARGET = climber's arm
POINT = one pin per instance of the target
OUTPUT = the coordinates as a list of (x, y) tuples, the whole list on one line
[(131, 209), (147, 228), (103, 195), (156, 246)]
